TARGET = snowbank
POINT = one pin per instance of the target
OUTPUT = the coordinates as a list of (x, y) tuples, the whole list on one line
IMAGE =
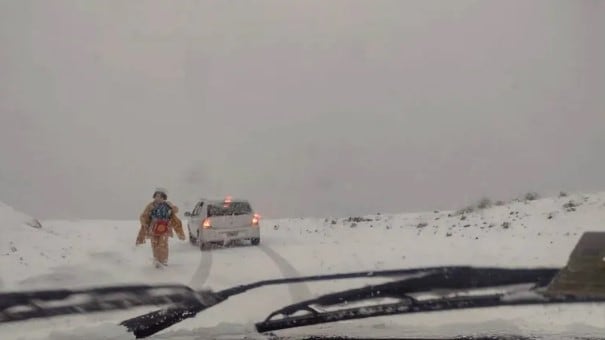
[(25, 246)]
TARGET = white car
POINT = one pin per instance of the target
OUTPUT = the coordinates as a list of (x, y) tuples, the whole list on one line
[(222, 221)]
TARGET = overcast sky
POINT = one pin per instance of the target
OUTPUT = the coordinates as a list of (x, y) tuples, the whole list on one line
[(322, 108)]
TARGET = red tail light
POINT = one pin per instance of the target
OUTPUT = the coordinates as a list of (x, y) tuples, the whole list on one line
[(255, 219), (206, 223)]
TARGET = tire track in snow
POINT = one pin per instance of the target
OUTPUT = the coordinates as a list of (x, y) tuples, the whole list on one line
[(203, 270), (298, 291)]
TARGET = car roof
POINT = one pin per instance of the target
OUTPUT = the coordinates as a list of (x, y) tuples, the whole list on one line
[(221, 201)]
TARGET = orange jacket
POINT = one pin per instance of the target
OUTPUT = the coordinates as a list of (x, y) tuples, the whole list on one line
[(175, 223)]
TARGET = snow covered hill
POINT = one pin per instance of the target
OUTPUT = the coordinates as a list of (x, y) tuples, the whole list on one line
[(81, 253)]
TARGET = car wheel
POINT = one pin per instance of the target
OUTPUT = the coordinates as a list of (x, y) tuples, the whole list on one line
[(205, 246), (192, 240), (255, 241)]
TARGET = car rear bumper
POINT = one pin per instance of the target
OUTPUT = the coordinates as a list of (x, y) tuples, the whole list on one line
[(225, 235)]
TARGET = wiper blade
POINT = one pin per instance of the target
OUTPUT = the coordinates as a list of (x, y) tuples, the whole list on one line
[(422, 279), (582, 280), (187, 303), (148, 324), (184, 302), (411, 305), (449, 278), (452, 279), (21, 306)]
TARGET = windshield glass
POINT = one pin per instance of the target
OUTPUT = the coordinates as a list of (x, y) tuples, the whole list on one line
[(233, 208), (301, 138)]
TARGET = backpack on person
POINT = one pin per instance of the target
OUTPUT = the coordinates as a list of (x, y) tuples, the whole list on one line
[(160, 217)]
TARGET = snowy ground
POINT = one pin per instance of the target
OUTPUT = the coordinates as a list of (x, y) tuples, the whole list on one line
[(82, 253)]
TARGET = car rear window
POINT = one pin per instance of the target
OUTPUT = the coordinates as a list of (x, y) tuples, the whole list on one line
[(234, 208)]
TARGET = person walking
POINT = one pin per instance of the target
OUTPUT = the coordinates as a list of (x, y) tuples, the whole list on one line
[(159, 222)]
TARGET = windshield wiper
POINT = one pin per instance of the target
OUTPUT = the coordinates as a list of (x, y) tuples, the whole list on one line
[(448, 279), (411, 305), (582, 280), (156, 321), (19, 306), (185, 302)]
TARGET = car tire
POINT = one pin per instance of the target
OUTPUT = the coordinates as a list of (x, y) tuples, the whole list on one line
[(205, 246), (255, 241), (192, 240)]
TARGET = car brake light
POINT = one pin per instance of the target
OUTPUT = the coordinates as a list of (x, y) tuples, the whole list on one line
[(255, 219), (206, 224)]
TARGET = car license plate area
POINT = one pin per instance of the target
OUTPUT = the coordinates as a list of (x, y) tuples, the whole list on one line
[(233, 233)]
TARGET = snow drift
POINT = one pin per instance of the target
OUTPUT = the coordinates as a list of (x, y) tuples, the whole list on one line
[(24, 245)]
